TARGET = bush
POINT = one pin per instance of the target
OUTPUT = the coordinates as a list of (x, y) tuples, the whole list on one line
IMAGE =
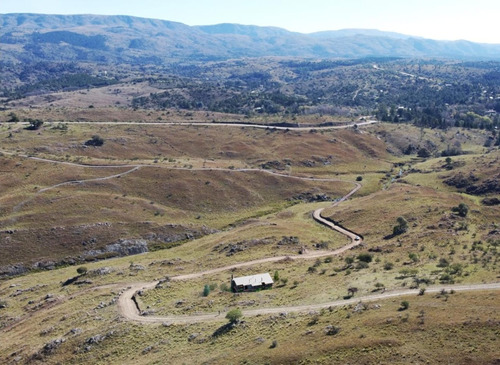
[(404, 305), (95, 141), (365, 257), (206, 290), (423, 152), (388, 266), (82, 270), (34, 124), (462, 209), (234, 315), (401, 228)]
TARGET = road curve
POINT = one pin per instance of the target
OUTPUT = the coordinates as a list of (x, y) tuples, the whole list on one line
[(129, 310), (127, 306)]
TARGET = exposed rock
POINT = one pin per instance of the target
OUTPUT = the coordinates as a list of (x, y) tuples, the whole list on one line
[(360, 307), (331, 330), (12, 270), (193, 336), (49, 348), (289, 240), (311, 197), (125, 247), (274, 165), (100, 271), (233, 248)]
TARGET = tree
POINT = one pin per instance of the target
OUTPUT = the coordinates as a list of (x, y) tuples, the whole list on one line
[(206, 290), (401, 227), (404, 305), (276, 276), (34, 124), (359, 178), (462, 209), (95, 141), (13, 118), (234, 315), (423, 152)]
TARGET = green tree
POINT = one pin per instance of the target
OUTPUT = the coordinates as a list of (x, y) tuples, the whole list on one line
[(234, 315), (34, 124), (206, 290), (423, 152), (462, 209)]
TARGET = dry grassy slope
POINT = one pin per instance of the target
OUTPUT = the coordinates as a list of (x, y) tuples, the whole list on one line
[(461, 328), (377, 335), (222, 143)]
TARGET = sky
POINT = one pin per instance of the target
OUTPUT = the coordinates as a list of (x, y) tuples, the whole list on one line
[(473, 20)]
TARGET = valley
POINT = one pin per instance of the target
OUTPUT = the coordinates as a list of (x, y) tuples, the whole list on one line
[(145, 164)]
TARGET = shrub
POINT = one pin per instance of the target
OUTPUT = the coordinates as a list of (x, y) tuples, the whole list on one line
[(413, 256), (443, 262), (365, 257), (423, 152), (401, 227), (404, 305), (234, 315), (206, 290), (276, 276), (95, 141), (388, 266), (34, 124), (82, 270), (462, 209)]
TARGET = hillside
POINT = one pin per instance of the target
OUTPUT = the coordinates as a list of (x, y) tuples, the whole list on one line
[(125, 39)]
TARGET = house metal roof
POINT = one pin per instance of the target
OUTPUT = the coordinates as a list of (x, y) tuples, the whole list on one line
[(253, 280)]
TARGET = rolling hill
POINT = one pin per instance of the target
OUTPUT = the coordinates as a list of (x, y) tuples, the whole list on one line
[(126, 39)]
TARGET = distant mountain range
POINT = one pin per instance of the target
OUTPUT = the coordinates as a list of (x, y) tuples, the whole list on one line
[(104, 39)]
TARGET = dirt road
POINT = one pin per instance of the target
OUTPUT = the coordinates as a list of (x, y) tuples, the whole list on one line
[(128, 309)]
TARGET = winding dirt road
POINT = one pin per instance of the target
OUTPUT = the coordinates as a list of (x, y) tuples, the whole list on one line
[(126, 304)]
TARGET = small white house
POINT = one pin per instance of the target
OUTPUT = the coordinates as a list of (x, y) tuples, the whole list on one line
[(251, 283)]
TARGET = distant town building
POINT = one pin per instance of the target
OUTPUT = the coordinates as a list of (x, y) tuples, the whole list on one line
[(252, 283)]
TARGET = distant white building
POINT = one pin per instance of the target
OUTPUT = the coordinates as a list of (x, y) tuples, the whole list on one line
[(252, 282)]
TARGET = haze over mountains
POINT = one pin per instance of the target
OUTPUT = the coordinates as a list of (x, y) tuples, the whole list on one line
[(95, 38)]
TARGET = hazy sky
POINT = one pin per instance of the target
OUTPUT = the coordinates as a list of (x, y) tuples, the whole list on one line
[(474, 20)]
